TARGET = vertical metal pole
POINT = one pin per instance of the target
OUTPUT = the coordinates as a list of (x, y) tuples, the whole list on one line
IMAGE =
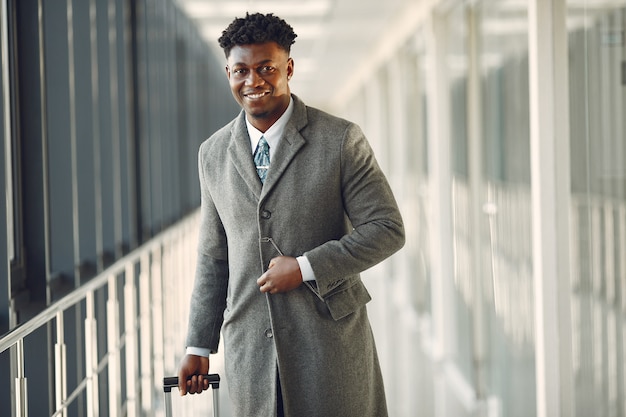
[(550, 188), (145, 329), (44, 141), (440, 186), (169, 309), (73, 141), (216, 402), (60, 368), (440, 198), (19, 401), (91, 356), (115, 126), (622, 291), (21, 392), (130, 320), (157, 309), (477, 195), (95, 114), (6, 117), (181, 290), (168, 403), (113, 347)]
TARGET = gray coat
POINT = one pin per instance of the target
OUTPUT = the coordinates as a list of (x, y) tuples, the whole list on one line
[(324, 197)]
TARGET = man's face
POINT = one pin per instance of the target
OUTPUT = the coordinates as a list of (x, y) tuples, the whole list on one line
[(258, 75)]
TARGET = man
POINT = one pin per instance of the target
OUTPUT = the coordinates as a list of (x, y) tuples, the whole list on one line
[(282, 243)]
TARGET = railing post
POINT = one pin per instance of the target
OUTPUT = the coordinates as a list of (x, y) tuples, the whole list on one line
[(145, 331), (60, 369), (168, 255), (91, 357), (113, 347), (21, 392), (130, 319), (158, 315)]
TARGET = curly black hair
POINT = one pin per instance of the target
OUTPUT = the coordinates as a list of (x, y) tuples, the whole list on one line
[(257, 28)]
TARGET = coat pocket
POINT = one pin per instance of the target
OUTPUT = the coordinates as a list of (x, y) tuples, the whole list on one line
[(347, 300)]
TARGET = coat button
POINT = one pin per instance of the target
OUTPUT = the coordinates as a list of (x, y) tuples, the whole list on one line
[(266, 214), (268, 333)]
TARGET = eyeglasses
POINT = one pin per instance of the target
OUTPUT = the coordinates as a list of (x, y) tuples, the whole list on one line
[(270, 240), (311, 284)]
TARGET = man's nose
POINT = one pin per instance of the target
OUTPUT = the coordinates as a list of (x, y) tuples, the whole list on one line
[(254, 78)]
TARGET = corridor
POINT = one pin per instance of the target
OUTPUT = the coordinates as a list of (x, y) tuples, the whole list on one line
[(498, 123)]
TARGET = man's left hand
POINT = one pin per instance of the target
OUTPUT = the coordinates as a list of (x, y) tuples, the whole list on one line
[(283, 274)]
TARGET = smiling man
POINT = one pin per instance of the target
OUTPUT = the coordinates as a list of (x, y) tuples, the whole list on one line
[(258, 76), (294, 207)]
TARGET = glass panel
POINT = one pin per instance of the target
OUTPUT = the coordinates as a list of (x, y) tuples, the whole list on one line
[(28, 156), (504, 74), (597, 57), (416, 175), (58, 151), (106, 134), (507, 283), (457, 66), (457, 63), (85, 136)]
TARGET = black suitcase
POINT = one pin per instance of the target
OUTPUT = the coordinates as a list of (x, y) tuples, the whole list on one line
[(170, 382)]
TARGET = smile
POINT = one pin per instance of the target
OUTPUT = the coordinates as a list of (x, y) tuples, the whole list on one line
[(255, 96)]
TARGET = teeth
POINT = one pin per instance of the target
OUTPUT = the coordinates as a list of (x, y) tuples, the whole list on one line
[(257, 95)]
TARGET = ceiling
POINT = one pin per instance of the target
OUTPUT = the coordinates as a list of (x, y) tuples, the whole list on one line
[(341, 42), (338, 43)]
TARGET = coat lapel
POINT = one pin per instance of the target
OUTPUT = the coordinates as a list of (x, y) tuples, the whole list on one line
[(240, 151), (288, 148), (241, 154)]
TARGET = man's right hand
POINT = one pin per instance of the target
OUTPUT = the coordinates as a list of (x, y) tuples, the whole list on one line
[(194, 366)]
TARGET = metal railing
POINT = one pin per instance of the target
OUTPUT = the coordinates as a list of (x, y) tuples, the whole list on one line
[(147, 294)]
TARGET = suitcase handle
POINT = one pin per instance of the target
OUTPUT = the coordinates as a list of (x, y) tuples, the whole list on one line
[(170, 382)]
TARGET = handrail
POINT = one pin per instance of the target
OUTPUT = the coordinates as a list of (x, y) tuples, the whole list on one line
[(140, 331), (12, 337)]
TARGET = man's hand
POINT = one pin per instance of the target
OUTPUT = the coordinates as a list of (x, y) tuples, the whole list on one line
[(283, 274), (192, 365)]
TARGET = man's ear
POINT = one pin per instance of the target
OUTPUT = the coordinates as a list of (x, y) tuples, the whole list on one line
[(290, 67)]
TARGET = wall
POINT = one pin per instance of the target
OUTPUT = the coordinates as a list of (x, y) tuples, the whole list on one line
[(510, 292)]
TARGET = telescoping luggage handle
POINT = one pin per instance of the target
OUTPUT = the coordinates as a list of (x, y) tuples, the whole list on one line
[(170, 382)]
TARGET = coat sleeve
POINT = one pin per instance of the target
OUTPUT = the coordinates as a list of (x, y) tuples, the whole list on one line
[(377, 227), (208, 298)]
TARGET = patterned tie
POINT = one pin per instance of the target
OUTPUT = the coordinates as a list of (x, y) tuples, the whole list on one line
[(262, 158)]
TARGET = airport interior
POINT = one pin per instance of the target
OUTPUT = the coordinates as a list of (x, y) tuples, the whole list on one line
[(500, 125)]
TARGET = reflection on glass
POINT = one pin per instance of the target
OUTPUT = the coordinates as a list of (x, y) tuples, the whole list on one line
[(416, 176), (597, 46), (464, 282), (505, 290)]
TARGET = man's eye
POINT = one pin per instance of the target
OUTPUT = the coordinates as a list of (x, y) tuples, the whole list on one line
[(240, 71), (267, 69)]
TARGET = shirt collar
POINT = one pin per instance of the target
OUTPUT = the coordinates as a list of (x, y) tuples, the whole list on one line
[(274, 133)]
